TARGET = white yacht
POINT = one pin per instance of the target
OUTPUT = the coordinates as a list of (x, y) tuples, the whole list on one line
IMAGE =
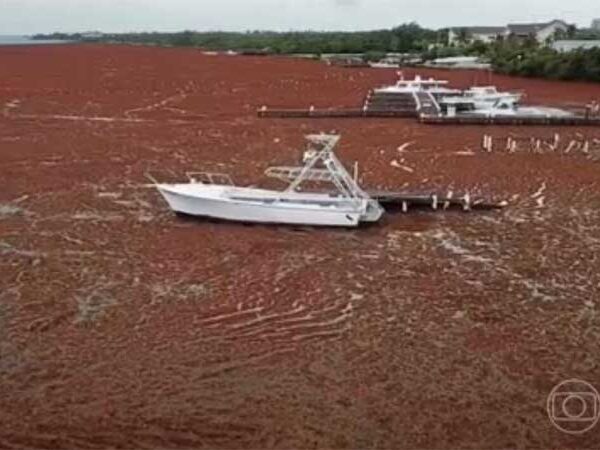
[(215, 196), (434, 87), (484, 97), (507, 107)]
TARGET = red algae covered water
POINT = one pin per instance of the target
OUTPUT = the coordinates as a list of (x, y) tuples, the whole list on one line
[(124, 326)]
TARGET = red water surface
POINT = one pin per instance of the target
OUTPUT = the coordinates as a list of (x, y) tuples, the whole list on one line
[(123, 326)]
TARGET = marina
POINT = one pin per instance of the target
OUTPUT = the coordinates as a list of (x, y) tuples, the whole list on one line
[(125, 325), (433, 102)]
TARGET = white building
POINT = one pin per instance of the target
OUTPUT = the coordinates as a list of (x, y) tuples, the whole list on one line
[(542, 32), (472, 34), (569, 46)]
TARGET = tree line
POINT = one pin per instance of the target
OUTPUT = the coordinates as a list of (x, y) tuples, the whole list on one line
[(405, 38), (510, 56)]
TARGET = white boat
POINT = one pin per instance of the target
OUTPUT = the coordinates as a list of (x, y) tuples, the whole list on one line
[(484, 97), (215, 196), (434, 87), (508, 108), (479, 100)]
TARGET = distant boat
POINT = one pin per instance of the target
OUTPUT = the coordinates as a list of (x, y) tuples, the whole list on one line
[(432, 86), (507, 107), (215, 196), (483, 97)]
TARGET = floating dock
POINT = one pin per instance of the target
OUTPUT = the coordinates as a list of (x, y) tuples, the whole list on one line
[(427, 118), (406, 201), (470, 119), (268, 113)]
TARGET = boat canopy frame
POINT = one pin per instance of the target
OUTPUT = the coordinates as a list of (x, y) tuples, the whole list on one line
[(209, 178), (321, 165)]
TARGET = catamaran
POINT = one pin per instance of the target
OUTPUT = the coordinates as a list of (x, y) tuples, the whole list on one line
[(215, 195)]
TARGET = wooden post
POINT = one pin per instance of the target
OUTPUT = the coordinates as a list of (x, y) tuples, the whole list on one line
[(446, 204), (490, 143), (586, 147), (467, 202)]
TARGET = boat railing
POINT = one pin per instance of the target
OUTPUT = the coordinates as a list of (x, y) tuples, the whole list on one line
[(165, 175), (291, 173), (210, 178)]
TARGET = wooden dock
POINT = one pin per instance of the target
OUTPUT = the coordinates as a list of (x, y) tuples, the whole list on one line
[(406, 201), (424, 107), (578, 121), (268, 113)]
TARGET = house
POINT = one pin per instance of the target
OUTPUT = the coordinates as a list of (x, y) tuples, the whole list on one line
[(472, 34), (541, 32), (572, 45)]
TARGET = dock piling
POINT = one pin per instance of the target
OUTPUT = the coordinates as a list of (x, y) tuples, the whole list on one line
[(467, 202)]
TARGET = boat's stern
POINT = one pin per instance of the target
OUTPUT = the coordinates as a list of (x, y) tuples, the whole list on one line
[(373, 211)]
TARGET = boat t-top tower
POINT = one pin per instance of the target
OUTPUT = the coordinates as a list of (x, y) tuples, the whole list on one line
[(320, 164)]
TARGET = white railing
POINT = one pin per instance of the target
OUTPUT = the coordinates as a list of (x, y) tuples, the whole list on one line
[(291, 173), (210, 178)]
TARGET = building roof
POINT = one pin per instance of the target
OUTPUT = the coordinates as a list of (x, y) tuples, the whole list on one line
[(481, 30), (530, 28)]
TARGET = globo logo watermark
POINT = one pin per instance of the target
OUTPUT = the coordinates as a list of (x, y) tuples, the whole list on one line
[(574, 406)]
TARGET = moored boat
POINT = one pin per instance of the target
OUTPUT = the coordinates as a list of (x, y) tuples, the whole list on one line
[(417, 85), (485, 96), (215, 196), (480, 99)]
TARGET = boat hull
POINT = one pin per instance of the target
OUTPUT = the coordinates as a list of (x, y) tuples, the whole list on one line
[(254, 212)]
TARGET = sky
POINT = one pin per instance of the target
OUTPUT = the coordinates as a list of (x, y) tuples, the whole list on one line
[(41, 16)]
